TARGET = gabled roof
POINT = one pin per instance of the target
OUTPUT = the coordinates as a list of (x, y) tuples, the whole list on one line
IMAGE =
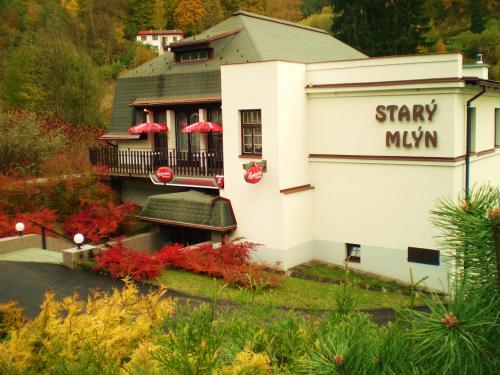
[(243, 37), (160, 32), (192, 209)]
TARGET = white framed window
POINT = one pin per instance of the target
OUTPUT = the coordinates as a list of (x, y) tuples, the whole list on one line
[(251, 132), (143, 38), (155, 37)]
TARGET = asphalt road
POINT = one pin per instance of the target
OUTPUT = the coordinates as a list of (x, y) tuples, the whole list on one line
[(27, 283)]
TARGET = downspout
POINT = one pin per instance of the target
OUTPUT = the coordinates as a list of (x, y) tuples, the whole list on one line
[(468, 142)]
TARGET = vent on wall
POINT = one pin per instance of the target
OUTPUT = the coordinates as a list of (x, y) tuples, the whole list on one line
[(424, 256)]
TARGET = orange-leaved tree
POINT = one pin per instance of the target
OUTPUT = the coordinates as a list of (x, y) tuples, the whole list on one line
[(189, 16)]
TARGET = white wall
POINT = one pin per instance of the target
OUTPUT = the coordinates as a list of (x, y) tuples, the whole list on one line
[(158, 42), (345, 123), (384, 205), (264, 214), (259, 207), (386, 69)]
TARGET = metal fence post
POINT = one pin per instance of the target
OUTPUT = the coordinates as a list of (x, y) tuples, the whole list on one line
[(44, 239)]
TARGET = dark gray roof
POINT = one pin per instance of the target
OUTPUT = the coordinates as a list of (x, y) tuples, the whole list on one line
[(244, 37), (190, 209)]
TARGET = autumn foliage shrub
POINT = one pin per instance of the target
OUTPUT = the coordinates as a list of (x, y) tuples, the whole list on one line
[(171, 256), (100, 222), (230, 262), (44, 217), (120, 262)]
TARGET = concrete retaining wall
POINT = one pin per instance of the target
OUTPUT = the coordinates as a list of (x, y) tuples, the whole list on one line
[(9, 244), (145, 242)]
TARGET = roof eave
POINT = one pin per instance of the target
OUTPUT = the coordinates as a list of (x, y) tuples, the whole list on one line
[(226, 229), (482, 82)]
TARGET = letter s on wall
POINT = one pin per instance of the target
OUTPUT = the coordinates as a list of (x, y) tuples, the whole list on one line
[(381, 116)]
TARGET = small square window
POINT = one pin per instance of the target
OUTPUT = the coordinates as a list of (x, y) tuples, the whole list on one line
[(155, 37), (353, 252), (175, 39), (424, 256), (143, 38)]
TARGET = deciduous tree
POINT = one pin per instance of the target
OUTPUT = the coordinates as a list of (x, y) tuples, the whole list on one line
[(309, 7), (321, 20), (283, 9), (213, 12), (189, 16)]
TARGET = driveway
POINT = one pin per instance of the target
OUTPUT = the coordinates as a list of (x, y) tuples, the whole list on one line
[(27, 283)]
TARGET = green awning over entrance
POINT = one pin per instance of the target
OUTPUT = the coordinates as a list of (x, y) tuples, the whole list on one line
[(192, 209)]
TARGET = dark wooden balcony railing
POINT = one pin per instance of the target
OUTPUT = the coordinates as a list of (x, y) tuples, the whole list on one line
[(144, 161)]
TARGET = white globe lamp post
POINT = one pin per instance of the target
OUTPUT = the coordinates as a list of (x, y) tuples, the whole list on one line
[(78, 239), (19, 228)]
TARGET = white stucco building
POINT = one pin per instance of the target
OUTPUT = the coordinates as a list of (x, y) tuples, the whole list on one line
[(355, 151), (159, 39)]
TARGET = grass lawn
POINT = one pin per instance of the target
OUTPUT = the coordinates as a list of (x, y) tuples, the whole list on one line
[(293, 292), (337, 273)]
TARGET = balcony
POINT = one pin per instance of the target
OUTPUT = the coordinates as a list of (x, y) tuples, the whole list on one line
[(141, 162)]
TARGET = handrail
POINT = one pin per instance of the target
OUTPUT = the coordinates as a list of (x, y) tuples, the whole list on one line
[(202, 162), (44, 236)]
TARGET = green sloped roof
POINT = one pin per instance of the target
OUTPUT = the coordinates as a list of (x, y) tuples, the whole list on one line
[(190, 209), (259, 39)]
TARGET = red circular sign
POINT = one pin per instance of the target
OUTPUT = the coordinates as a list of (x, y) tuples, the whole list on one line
[(164, 174), (254, 174)]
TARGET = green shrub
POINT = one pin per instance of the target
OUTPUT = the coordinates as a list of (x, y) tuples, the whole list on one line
[(23, 144)]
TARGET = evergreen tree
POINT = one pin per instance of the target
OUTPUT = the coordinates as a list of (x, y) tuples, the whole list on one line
[(476, 9), (407, 26), (360, 24), (380, 27), (140, 18)]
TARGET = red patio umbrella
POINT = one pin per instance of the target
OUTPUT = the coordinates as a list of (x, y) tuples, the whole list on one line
[(202, 127), (148, 127)]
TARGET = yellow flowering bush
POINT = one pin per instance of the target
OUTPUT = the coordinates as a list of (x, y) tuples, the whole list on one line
[(11, 318), (104, 330), (248, 362)]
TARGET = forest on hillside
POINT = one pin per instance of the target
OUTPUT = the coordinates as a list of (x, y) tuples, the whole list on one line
[(62, 57)]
